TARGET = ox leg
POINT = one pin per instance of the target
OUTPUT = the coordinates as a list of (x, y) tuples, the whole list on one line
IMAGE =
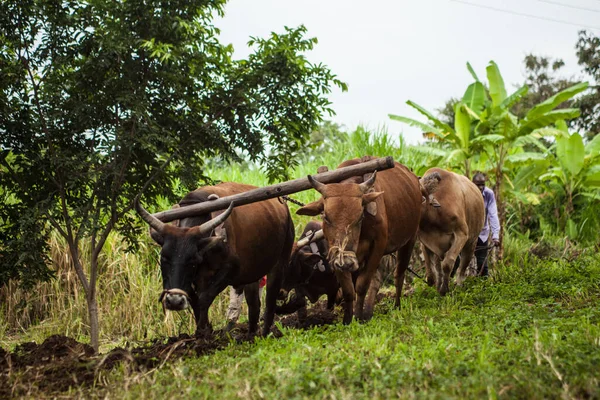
[(430, 265), (465, 258), (460, 238), (274, 281), (253, 302), (376, 283), (206, 298), (345, 280), (404, 255), (331, 299), (363, 285)]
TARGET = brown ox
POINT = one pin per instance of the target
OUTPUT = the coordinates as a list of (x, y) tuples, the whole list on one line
[(362, 221), (450, 229), (254, 240)]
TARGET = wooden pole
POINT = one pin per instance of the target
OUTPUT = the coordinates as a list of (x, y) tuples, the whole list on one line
[(279, 189), (311, 237)]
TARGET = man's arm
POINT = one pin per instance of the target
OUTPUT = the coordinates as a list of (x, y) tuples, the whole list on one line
[(492, 211)]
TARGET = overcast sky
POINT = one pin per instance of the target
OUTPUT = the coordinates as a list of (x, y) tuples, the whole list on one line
[(393, 51)]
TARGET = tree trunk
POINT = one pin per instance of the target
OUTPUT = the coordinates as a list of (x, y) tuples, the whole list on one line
[(94, 325)]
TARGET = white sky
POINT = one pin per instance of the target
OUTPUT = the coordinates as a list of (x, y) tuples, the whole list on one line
[(393, 51)]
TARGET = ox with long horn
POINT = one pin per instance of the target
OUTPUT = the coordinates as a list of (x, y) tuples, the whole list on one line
[(204, 254), (363, 219)]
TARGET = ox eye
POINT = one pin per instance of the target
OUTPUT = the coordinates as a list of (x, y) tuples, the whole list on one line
[(325, 219)]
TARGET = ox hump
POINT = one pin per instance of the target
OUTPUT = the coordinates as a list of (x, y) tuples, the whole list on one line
[(431, 182)]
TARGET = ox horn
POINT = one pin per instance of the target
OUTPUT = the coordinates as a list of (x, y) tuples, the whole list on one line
[(365, 186), (154, 222), (318, 186), (213, 223)]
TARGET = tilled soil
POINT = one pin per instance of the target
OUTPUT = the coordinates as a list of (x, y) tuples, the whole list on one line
[(61, 363)]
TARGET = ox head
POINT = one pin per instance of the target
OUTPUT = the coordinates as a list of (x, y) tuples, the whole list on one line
[(304, 260), (342, 208), (300, 269), (187, 255)]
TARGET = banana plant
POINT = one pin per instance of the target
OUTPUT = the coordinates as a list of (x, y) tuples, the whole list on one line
[(501, 132), (576, 168), (457, 147)]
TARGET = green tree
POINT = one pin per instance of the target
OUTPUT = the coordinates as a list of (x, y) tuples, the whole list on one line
[(588, 54), (102, 100)]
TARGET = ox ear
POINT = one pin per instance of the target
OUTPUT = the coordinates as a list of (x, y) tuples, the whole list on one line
[(312, 209), (369, 202), (157, 237)]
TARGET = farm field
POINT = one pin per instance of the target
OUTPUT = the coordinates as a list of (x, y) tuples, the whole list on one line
[(111, 112), (531, 331)]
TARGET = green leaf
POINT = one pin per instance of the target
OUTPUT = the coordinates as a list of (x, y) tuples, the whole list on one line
[(531, 198), (436, 121), (592, 176), (471, 113), (417, 124), (430, 151), (548, 119), (553, 173), (552, 102), (474, 97), (515, 97), (570, 152), (525, 157), (529, 173), (472, 72), (591, 195), (593, 147), (530, 139), (561, 125), (488, 139), (541, 132), (497, 89), (571, 229), (505, 125), (456, 156), (462, 122)]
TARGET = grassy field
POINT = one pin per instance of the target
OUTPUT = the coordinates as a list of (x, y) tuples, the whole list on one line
[(531, 331)]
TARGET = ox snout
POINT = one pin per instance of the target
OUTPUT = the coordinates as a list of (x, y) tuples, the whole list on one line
[(345, 262), (175, 300)]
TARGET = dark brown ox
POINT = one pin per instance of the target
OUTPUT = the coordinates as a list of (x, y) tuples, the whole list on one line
[(309, 275), (363, 219), (252, 241), (452, 228)]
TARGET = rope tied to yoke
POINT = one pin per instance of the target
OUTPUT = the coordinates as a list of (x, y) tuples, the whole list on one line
[(288, 198)]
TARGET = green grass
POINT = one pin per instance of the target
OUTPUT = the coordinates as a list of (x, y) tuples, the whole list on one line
[(532, 331)]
